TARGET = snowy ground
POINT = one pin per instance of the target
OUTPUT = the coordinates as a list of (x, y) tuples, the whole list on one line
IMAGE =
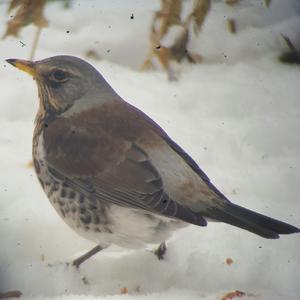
[(237, 114)]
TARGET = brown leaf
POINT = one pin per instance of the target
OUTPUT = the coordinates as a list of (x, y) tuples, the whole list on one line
[(124, 290), (10, 294), (27, 12), (232, 295), (14, 4), (199, 13), (169, 15), (231, 2), (229, 261)]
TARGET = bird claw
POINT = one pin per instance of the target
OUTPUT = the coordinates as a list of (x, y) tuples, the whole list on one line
[(161, 251)]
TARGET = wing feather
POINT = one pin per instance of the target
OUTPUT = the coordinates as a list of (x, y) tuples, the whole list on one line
[(122, 175)]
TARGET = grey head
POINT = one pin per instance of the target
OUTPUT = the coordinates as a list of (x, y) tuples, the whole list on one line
[(67, 84)]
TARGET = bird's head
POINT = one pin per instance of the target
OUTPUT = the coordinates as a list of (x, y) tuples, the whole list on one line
[(66, 83)]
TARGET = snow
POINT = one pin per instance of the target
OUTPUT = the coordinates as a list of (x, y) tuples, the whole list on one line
[(237, 114)]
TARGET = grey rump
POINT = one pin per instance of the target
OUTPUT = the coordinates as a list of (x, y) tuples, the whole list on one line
[(112, 173)]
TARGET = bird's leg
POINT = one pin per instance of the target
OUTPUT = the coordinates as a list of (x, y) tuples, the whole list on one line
[(78, 261), (161, 251)]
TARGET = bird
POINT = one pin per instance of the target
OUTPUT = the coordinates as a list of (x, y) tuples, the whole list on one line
[(113, 174)]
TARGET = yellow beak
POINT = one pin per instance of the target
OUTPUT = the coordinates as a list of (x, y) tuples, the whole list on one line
[(24, 65)]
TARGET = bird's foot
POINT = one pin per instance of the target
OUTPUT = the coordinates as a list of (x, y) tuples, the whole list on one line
[(161, 251)]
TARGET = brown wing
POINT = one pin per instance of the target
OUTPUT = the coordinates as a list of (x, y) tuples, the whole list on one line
[(107, 167)]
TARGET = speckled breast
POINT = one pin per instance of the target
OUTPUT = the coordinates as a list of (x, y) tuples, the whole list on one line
[(86, 216)]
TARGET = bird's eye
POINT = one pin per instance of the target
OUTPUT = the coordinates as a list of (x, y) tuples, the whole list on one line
[(58, 75)]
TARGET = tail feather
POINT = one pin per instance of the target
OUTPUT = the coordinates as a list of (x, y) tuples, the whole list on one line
[(249, 220)]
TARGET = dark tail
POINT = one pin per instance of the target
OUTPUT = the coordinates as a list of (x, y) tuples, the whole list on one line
[(249, 220)]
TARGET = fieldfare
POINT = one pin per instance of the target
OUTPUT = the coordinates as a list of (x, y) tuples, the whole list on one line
[(111, 172)]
